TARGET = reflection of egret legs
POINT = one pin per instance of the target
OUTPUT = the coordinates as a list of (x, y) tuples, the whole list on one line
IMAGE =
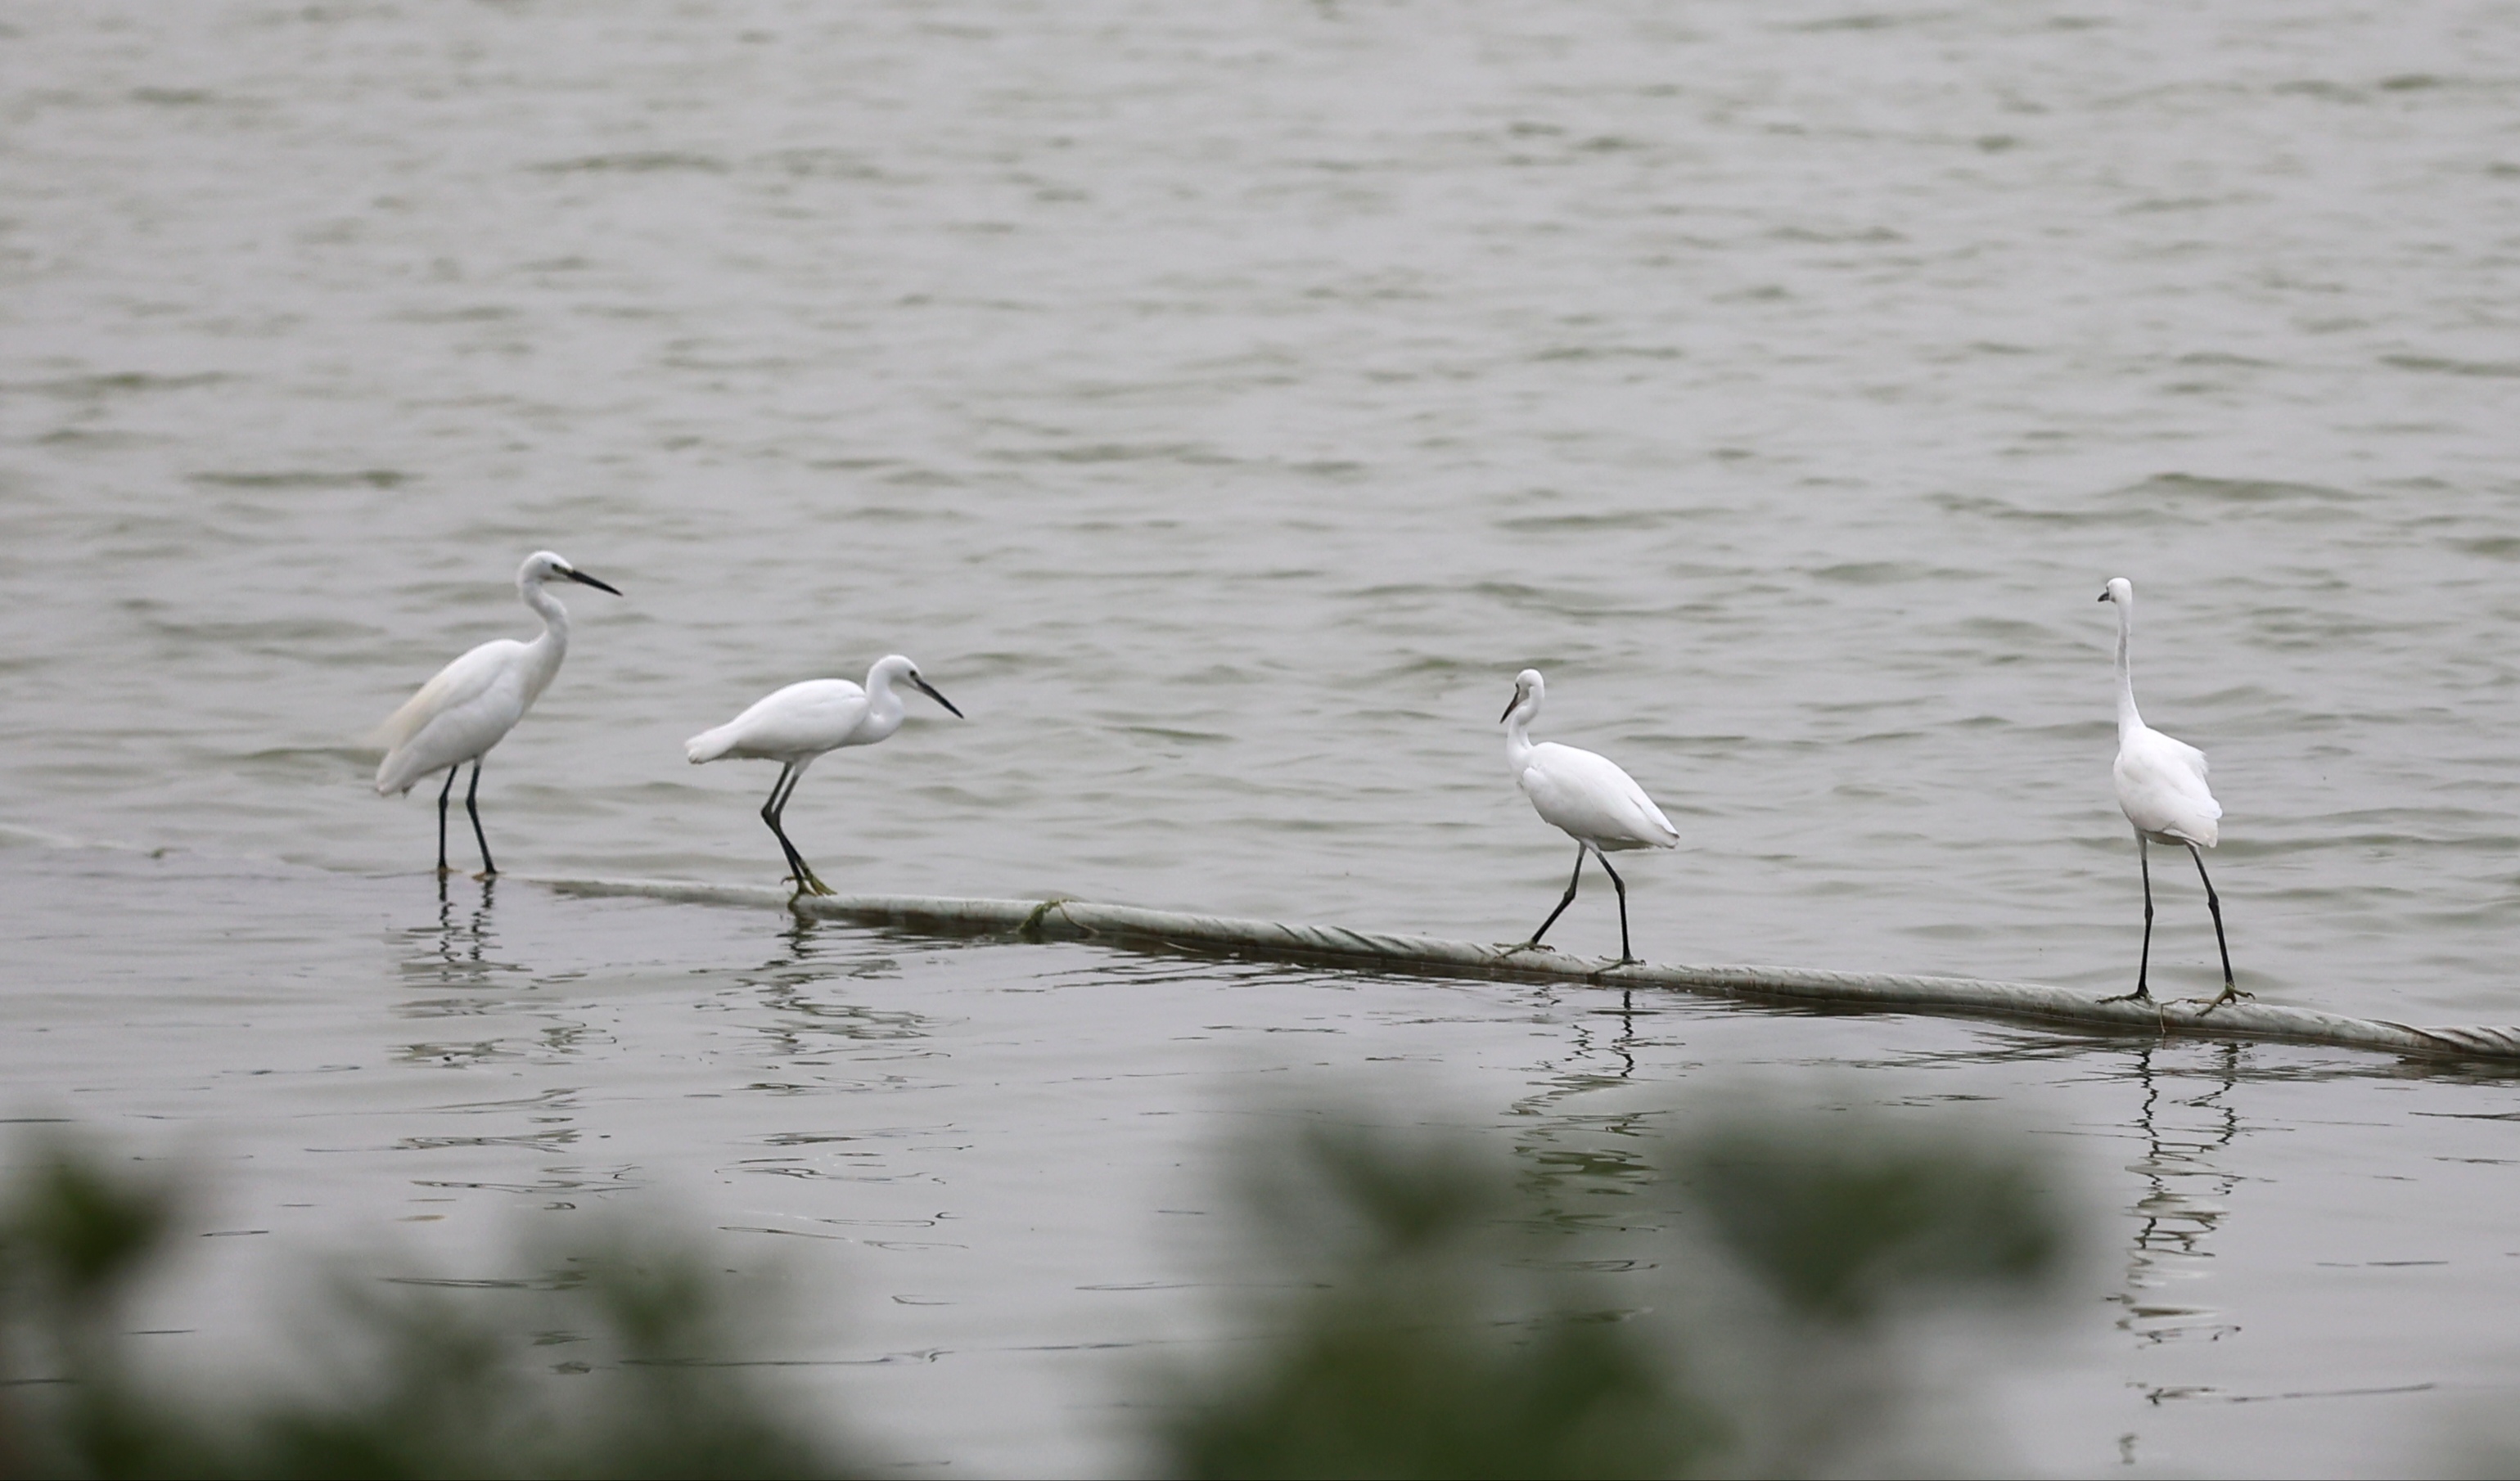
[(2143, 1117), (2230, 1053), (474, 934), (2175, 1221), (799, 936), (1626, 1043)]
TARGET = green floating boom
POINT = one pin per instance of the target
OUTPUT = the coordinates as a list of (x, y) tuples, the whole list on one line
[(1127, 926)]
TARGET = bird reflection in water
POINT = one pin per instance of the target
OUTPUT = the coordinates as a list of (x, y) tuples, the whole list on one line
[(1587, 1150), (1594, 1044), (787, 984), (1591, 1044), (2185, 1187), (456, 951)]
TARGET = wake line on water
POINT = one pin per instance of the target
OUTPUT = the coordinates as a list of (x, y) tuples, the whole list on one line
[(1130, 928)]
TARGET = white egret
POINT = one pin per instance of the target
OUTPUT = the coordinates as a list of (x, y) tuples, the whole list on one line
[(477, 700), (795, 725), (1583, 795), (2161, 789)]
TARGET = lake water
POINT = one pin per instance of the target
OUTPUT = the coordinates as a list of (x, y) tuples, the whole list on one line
[(1222, 403)]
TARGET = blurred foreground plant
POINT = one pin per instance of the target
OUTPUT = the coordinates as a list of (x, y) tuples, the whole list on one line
[(1434, 1317), (1432, 1310), (414, 1385)]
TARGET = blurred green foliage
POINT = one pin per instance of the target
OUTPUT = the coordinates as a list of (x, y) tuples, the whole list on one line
[(415, 1385), (1439, 1318), (1840, 1223), (1424, 1334), (1429, 1304)]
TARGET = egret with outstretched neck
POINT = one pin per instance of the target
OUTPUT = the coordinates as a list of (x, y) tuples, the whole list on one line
[(795, 725), (472, 702), (1583, 795), (2161, 789)]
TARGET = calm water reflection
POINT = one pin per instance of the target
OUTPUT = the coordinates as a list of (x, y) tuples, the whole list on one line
[(988, 1167)]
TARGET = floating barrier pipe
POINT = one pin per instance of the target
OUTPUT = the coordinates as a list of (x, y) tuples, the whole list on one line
[(1124, 926)]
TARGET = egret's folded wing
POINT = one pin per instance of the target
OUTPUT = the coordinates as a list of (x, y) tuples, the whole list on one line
[(2161, 785), (802, 719), (459, 683), (1590, 797)]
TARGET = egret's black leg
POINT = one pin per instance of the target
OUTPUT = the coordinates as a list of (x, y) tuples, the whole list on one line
[(2214, 903), (1571, 882), (470, 806), (770, 809), (806, 878), (775, 812), (2143, 963), (807, 881), (1625, 956), (444, 792)]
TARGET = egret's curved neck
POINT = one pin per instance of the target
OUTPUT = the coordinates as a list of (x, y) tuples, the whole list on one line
[(553, 646), (1517, 733), (2128, 720), (883, 713)]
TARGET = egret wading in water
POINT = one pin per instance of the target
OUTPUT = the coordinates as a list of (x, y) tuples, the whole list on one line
[(475, 700), (1583, 795), (795, 725), (2161, 789)]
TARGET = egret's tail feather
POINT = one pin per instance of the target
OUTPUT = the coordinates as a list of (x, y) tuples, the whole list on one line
[(708, 745), (391, 775)]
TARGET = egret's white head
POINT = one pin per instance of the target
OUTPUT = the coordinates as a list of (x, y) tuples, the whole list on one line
[(2120, 591), (898, 668), (1526, 688), (542, 565)]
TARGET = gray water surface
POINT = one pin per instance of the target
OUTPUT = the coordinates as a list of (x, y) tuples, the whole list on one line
[(1222, 402), (989, 1175)]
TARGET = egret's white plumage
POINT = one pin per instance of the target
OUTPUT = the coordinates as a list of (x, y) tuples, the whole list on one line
[(795, 725), (2161, 789), (472, 702), (1584, 795)]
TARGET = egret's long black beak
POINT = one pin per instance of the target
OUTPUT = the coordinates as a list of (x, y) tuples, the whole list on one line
[(2104, 593), (583, 579), (930, 690), (1508, 710)]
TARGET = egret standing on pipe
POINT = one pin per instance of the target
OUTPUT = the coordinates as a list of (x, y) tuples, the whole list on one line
[(795, 725), (475, 700), (2161, 789), (1584, 796)]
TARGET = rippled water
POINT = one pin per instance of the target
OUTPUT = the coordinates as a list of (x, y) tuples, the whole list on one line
[(989, 1171), (1223, 401)]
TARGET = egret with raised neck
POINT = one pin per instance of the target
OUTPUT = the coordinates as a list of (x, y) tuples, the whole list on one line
[(472, 702), (2161, 789)]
